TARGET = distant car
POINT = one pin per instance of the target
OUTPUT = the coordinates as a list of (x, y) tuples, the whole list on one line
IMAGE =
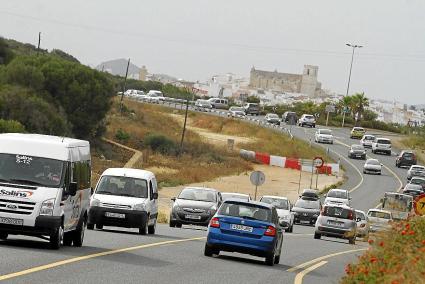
[(246, 227), (155, 96), (307, 120), (337, 221), (363, 226), (194, 205), (309, 194), (272, 118), (236, 112), (306, 210), (357, 152), (252, 109), (324, 136), (415, 171), (338, 196), (357, 132), (290, 117), (381, 145), (234, 195), (406, 158), (380, 220), (203, 105), (367, 140), (283, 207), (140, 95), (372, 166), (418, 181), (413, 190), (219, 103)]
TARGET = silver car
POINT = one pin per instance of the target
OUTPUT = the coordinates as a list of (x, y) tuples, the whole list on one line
[(283, 207), (337, 221), (372, 166), (272, 118), (236, 112), (363, 226), (416, 171), (380, 220)]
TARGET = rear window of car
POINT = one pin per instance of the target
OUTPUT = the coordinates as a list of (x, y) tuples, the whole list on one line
[(276, 202), (243, 210), (378, 214), (360, 215), (408, 154), (383, 141), (337, 194), (418, 181), (338, 212)]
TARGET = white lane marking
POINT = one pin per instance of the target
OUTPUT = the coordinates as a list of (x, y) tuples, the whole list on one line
[(299, 277)]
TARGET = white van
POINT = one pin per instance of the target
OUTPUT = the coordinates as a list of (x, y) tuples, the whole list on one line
[(44, 187), (219, 103), (125, 198)]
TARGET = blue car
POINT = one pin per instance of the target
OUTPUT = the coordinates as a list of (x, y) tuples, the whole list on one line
[(246, 227)]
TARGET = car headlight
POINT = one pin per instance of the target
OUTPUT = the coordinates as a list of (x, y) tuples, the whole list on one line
[(47, 207), (95, 202), (315, 215), (139, 207), (285, 218), (177, 209)]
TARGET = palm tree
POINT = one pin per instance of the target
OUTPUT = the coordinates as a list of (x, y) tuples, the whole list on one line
[(360, 101), (345, 103)]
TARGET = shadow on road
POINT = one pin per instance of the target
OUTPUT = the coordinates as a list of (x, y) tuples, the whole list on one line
[(252, 261)]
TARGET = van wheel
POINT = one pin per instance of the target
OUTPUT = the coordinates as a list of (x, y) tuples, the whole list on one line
[(151, 229), (90, 226), (79, 234), (99, 226), (67, 239), (56, 238), (317, 236), (143, 230), (3, 236)]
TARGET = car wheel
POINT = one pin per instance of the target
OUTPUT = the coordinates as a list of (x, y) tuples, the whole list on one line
[(99, 226), (352, 241), (178, 225), (67, 239), (78, 235), (291, 229), (317, 236), (208, 251), (277, 259), (152, 228), (3, 236), (90, 226), (143, 230), (172, 223), (56, 238), (270, 259)]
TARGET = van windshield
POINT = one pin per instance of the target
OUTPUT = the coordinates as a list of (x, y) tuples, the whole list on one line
[(123, 186), (30, 170)]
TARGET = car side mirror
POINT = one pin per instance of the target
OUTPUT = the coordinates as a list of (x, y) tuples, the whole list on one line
[(358, 219), (155, 195), (72, 189), (173, 199), (91, 190)]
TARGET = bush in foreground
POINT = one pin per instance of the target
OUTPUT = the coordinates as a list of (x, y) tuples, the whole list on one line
[(394, 257)]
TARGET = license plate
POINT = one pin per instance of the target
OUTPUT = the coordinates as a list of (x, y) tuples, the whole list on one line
[(11, 221), (241, 228), (115, 215), (193, 217), (335, 223), (358, 156)]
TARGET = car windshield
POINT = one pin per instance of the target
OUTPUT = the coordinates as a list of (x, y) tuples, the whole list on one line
[(407, 154), (379, 214), (123, 186), (198, 194), (236, 109), (325, 131), (369, 137), (358, 129), (417, 181), (307, 204), (272, 115), (246, 211), (338, 212), (383, 141), (226, 196), (373, 162), (360, 215), (337, 194), (309, 117), (276, 202), (357, 147), (30, 170)]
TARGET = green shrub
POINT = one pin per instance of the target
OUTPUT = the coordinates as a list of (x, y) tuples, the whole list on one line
[(11, 126), (162, 144), (122, 136)]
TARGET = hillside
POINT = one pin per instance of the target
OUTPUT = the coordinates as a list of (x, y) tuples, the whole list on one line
[(118, 67)]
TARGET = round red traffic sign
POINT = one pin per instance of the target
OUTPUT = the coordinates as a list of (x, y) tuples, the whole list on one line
[(318, 162)]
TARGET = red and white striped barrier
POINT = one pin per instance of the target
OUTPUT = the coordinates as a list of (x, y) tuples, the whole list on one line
[(290, 163)]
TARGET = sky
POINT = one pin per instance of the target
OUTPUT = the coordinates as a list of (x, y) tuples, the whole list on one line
[(196, 39)]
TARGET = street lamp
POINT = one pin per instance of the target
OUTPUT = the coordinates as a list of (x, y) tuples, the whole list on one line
[(353, 46)]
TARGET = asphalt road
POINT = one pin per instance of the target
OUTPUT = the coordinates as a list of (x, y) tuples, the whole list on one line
[(176, 255)]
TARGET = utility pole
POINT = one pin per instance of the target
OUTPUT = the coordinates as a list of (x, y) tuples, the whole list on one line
[(39, 41), (125, 82), (184, 125), (354, 46)]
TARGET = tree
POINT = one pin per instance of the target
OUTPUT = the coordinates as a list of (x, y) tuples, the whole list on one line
[(345, 103), (6, 54), (359, 102), (253, 99)]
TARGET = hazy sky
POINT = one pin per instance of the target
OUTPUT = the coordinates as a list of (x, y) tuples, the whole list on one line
[(195, 39)]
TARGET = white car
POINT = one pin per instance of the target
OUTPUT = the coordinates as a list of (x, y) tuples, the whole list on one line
[(372, 166), (381, 145), (338, 196), (380, 220), (363, 226), (272, 118), (236, 112), (367, 140), (202, 105), (125, 198), (307, 119), (324, 136), (415, 171), (155, 96), (234, 195), (283, 208)]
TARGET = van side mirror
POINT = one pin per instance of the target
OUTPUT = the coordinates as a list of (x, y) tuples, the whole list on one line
[(72, 189), (155, 195), (173, 199)]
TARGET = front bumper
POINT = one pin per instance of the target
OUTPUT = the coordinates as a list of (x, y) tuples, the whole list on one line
[(180, 217), (44, 226), (133, 218), (301, 217), (372, 171)]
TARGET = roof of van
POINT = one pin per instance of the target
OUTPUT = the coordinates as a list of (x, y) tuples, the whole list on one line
[(128, 172), (46, 146)]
